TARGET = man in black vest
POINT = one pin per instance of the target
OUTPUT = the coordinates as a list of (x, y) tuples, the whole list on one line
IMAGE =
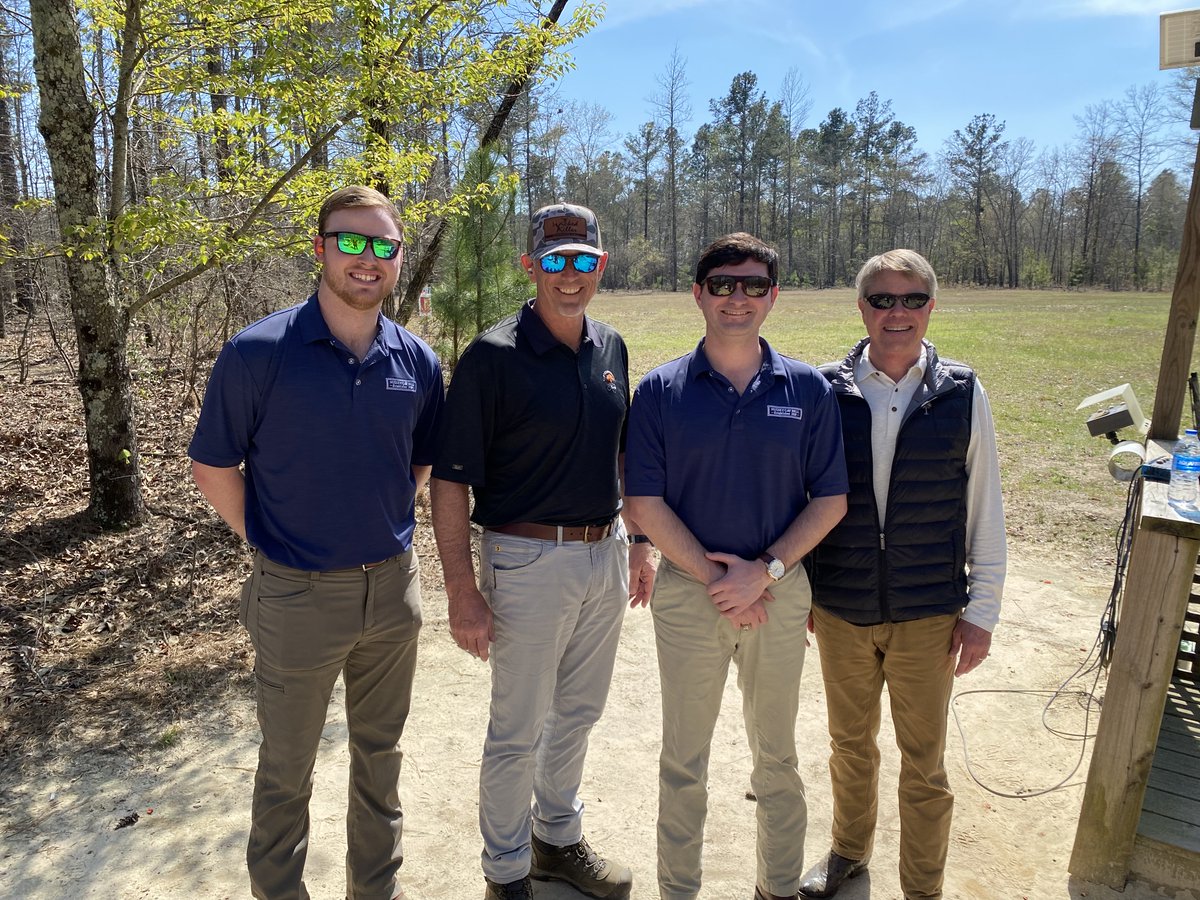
[(907, 587)]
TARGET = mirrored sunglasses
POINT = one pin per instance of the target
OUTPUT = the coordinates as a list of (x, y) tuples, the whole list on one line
[(887, 301), (354, 244), (752, 285), (556, 262)]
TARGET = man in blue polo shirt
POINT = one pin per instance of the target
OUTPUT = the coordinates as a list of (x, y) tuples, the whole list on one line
[(316, 434), (734, 468)]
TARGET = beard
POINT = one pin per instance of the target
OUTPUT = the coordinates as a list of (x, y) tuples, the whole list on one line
[(359, 295)]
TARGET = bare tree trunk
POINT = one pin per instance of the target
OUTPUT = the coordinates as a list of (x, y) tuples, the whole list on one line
[(101, 323)]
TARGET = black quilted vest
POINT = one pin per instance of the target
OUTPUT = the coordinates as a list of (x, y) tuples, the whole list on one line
[(917, 567)]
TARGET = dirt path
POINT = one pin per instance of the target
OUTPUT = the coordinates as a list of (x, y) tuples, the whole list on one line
[(59, 837)]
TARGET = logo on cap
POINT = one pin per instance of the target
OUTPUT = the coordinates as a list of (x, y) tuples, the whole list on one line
[(562, 227)]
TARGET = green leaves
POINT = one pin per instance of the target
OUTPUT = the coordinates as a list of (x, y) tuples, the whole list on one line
[(234, 119)]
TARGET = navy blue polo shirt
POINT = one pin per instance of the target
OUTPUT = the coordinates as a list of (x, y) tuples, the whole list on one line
[(736, 469), (328, 440), (535, 427)]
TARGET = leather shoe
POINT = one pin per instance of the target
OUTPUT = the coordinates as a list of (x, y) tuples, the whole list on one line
[(824, 879), (760, 894)]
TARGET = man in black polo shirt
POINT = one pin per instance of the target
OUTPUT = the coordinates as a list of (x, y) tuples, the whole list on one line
[(533, 428)]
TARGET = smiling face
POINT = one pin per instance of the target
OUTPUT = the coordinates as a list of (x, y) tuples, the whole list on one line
[(736, 317), (361, 282), (895, 333), (562, 297)]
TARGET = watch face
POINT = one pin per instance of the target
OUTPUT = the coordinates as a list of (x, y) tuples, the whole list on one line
[(775, 569)]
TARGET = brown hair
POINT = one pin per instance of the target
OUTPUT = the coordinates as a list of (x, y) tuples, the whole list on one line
[(357, 196), (735, 248)]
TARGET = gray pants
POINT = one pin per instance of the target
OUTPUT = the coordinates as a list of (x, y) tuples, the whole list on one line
[(557, 612), (307, 627)]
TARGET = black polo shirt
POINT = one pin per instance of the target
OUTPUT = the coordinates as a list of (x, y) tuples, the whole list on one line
[(534, 427)]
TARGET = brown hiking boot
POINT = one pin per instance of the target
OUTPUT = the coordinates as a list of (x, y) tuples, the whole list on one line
[(582, 868)]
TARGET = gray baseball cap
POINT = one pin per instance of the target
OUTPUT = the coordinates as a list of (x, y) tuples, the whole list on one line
[(563, 226)]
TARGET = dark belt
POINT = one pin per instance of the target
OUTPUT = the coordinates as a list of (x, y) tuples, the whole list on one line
[(539, 532), (365, 567)]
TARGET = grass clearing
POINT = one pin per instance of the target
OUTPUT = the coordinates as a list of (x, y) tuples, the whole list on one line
[(1038, 353)]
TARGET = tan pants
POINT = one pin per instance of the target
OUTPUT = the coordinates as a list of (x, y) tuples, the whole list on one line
[(307, 627), (913, 658), (695, 646)]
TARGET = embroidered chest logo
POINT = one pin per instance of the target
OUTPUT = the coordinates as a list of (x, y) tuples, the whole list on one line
[(610, 380), (401, 384), (785, 412)]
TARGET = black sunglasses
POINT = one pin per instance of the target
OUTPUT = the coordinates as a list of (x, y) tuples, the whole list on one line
[(752, 285), (354, 244), (887, 301)]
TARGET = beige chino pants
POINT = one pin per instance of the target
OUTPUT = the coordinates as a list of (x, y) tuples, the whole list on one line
[(695, 647)]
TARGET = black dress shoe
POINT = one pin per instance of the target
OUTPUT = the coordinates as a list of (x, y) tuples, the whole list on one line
[(824, 879)]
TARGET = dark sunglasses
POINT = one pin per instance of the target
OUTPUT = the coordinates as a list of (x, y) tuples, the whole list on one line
[(556, 262), (752, 285), (354, 244), (887, 301)]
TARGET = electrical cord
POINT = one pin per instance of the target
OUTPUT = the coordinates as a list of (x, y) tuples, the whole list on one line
[(1098, 657)]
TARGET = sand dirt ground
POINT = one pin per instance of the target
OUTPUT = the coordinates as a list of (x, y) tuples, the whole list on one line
[(192, 799)]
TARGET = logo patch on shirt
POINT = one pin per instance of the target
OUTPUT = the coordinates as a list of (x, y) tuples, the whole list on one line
[(785, 412), (610, 380), (401, 384)]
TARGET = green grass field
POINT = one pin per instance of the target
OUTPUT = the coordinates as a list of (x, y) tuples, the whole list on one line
[(1038, 353)]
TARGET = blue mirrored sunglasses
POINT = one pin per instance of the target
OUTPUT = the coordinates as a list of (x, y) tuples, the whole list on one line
[(556, 262)]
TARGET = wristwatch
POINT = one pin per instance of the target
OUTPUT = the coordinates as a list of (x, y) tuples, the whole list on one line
[(775, 567)]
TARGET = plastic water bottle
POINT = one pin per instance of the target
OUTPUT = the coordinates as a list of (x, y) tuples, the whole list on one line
[(1183, 493)]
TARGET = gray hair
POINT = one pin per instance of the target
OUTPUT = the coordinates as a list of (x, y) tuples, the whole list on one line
[(910, 262)]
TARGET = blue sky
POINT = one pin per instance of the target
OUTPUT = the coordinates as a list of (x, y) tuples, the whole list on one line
[(1035, 64)]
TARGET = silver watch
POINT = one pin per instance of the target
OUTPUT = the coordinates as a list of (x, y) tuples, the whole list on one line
[(775, 567)]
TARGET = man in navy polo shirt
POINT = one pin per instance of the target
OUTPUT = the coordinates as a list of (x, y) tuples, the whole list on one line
[(317, 431), (534, 425), (735, 470)]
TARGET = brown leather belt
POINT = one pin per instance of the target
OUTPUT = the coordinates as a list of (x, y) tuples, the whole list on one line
[(587, 533)]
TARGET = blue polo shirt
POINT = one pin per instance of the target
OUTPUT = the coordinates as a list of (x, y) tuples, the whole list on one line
[(328, 440), (737, 470)]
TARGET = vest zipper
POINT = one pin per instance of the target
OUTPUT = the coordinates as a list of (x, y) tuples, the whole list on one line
[(885, 608)]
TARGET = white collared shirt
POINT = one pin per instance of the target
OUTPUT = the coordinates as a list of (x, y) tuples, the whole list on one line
[(987, 551)]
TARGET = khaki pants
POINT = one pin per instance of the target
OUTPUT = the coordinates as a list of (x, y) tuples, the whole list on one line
[(913, 658), (695, 646), (307, 627)]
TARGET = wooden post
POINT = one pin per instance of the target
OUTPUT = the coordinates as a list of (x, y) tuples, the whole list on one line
[(1161, 567), (1181, 324)]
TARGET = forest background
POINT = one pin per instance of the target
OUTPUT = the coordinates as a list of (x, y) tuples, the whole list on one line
[(160, 167)]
